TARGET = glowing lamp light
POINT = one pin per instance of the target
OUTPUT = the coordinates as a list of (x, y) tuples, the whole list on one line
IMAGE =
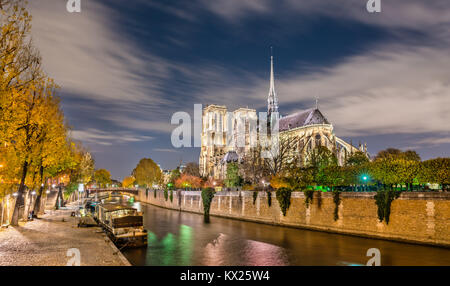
[(48, 192), (15, 194), (33, 193), (53, 185)]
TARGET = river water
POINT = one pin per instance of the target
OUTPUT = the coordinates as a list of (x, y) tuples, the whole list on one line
[(181, 238)]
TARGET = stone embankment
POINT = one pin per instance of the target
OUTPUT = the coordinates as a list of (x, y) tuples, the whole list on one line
[(415, 217)]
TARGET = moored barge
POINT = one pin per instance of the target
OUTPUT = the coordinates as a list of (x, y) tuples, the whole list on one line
[(122, 223)]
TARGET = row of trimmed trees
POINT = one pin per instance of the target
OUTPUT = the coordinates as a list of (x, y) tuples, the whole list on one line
[(390, 168)]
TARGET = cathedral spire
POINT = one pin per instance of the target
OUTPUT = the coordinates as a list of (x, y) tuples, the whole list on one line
[(272, 100)]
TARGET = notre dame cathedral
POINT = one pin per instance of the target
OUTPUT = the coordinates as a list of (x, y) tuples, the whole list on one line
[(220, 133)]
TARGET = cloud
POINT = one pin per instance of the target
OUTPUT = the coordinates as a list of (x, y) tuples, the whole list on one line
[(406, 14), (392, 90), (144, 124), (86, 56), (100, 137), (234, 9), (433, 140)]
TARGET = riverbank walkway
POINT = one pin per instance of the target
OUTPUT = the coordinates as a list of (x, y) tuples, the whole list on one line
[(51, 239)]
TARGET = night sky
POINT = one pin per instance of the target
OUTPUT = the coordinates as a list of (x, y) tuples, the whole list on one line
[(125, 67)]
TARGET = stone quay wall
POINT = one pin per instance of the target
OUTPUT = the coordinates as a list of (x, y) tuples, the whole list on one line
[(415, 216)]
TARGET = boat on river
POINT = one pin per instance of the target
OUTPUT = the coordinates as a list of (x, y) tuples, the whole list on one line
[(123, 224)]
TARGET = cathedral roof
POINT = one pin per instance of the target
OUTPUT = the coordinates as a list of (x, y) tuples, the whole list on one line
[(306, 117), (230, 156)]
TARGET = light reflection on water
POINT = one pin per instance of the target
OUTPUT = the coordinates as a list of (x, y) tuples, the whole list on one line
[(179, 238)]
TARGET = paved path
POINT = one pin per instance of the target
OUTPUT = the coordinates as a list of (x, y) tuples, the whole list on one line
[(45, 241)]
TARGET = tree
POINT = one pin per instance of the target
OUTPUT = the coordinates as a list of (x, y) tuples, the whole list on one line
[(331, 176), (356, 159), (188, 181), (174, 175), (391, 153), (279, 181), (19, 60), (147, 173), (318, 159), (411, 156), (32, 129), (281, 156), (232, 178), (252, 168), (192, 169), (388, 153), (435, 171), (128, 182), (102, 177)]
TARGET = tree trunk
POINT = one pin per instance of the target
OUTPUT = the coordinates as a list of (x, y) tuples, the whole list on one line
[(37, 203), (20, 202), (59, 198)]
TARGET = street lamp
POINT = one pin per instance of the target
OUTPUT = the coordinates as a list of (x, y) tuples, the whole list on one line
[(365, 179)]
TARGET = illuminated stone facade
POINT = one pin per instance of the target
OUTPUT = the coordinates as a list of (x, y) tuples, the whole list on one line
[(226, 135)]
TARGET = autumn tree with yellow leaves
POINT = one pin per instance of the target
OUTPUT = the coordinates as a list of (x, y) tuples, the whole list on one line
[(33, 134)]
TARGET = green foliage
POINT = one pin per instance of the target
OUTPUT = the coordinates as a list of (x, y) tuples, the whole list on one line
[(435, 171), (284, 199), (207, 196), (233, 179), (300, 178), (357, 159), (391, 170), (321, 157), (255, 196), (308, 197), (383, 200), (171, 195), (70, 188), (337, 201), (166, 194), (174, 175), (330, 176), (269, 198), (392, 153)]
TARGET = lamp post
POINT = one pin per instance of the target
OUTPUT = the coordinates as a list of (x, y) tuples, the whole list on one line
[(365, 179)]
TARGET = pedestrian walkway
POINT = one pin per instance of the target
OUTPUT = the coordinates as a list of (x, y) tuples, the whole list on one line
[(47, 240)]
